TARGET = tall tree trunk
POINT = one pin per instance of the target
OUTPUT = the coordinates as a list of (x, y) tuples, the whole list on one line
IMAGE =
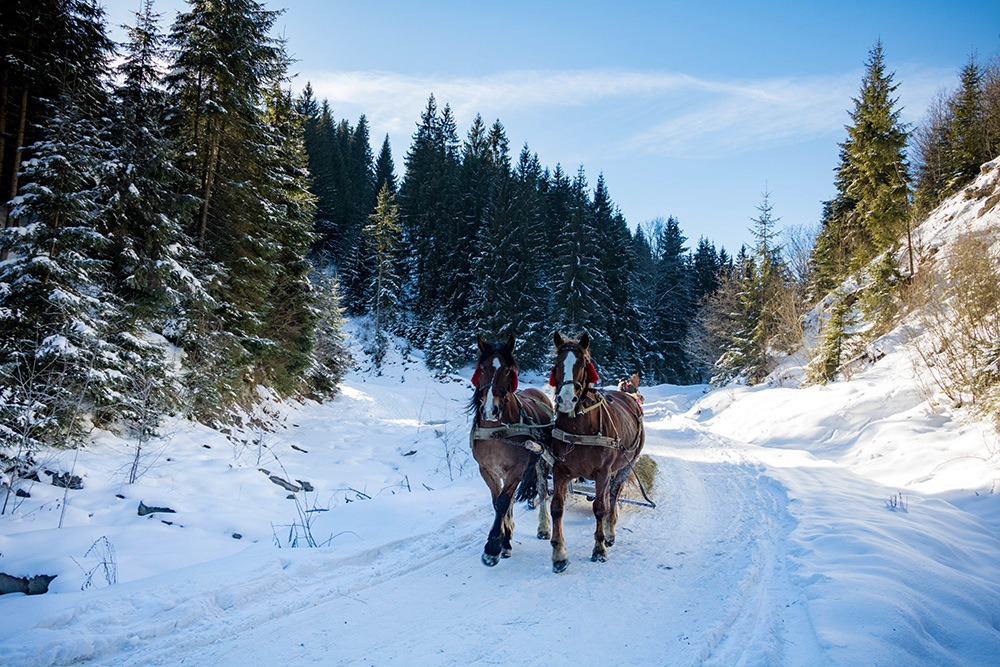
[(206, 194), (21, 122), (16, 166), (4, 94)]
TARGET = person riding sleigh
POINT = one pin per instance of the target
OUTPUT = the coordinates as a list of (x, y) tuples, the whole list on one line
[(631, 387)]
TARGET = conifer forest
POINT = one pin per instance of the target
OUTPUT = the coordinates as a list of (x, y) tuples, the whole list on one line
[(185, 228)]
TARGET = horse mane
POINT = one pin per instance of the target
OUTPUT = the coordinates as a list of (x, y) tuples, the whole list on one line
[(501, 350)]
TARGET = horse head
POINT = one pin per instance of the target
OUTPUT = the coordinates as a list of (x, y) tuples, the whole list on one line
[(573, 373), (495, 378)]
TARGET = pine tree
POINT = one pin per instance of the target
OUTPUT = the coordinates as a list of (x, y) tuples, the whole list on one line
[(144, 212), (382, 235), (579, 283), (56, 315), (385, 170), (871, 209), (288, 316), (756, 323), (621, 317), (428, 205), (48, 49), (252, 212), (673, 307), (931, 157), (966, 131)]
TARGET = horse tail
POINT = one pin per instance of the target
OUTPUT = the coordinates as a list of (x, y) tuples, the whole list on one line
[(528, 488)]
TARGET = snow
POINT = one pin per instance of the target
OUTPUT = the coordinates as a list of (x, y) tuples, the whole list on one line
[(773, 541), (854, 523)]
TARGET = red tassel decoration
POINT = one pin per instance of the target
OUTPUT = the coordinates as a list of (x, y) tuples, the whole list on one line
[(475, 378), (513, 382), (592, 374), (552, 377)]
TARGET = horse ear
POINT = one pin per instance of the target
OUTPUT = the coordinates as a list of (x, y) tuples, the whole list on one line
[(510, 343), (482, 344), (557, 339), (585, 341)]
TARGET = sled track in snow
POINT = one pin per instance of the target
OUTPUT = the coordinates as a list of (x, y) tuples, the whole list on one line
[(122, 630)]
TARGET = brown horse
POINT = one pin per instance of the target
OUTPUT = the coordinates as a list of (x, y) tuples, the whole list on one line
[(510, 430), (597, 435)]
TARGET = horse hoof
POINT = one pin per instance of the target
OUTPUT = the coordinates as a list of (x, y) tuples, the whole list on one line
[(543, 535), (609, 541), (599, 557), (559, 566), (490, 561), (505, 553)]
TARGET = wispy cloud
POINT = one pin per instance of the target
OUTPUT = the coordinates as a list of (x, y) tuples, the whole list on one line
[(668, 114)]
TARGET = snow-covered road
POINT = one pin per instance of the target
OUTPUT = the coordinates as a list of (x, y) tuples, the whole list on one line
[(700, 580)]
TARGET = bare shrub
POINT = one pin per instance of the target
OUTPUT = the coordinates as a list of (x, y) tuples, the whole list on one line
[(797, 249), (959, 310), (715, 326), (103, 552)]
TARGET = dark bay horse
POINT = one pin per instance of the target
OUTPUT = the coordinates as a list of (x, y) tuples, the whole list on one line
[(597, 435), (510, 430)]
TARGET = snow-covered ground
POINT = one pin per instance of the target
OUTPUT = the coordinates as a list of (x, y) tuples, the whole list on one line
[(774, 541)]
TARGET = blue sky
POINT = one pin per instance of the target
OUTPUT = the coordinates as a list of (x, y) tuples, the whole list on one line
[(689, 109)]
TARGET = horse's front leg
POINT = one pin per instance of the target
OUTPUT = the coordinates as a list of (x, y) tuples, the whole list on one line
[(601, 500), (491, 554), (498, 543), (560, 485), (542, 488)]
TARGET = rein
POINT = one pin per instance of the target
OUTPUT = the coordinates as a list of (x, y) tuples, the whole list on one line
[(599, 439), (504, 432)]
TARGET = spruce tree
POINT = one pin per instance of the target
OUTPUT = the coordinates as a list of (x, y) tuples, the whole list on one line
[(673, 307), (382, 237), (871, 209), (931, 157), (356, 199), (621, 317), (428, 206), (288, 316), (533, 299), (705, 265), (50, 49), (56, 313), (760, 279), (251, 218), (495, 280), (579, 288), (966, 130), (642, 278), (145, 212), (385, 170)]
